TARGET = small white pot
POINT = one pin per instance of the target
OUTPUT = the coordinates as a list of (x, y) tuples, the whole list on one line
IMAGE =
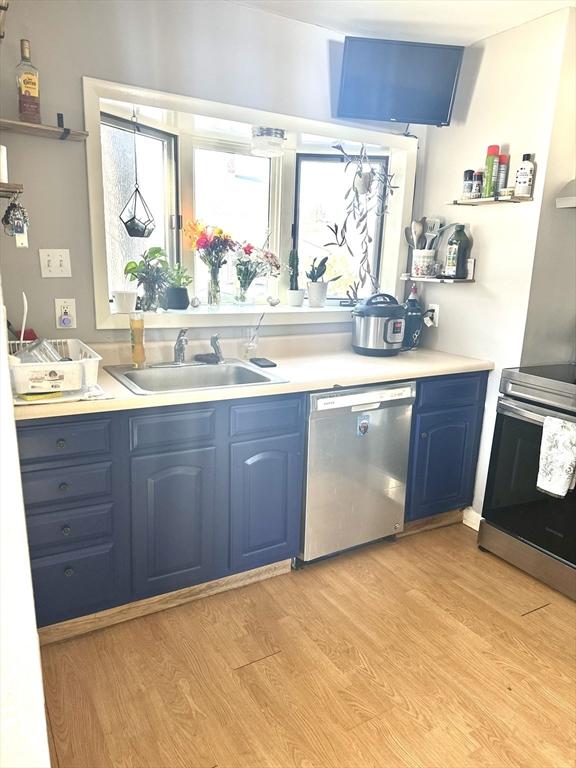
[(317, 294), (295, 298), (124, 301)]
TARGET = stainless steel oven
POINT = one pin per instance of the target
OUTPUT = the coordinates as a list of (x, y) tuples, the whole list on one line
[(530, 529)]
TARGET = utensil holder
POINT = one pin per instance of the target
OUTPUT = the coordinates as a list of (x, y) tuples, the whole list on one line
[(424, 263)]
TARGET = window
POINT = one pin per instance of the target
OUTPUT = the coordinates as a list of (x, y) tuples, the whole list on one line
[(321, 185), (157, 179), (232, 191)]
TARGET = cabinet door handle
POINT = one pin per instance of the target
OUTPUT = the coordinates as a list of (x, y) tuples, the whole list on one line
[(424, 435), (60, 443), (63, 487), (68, 572), (66, 530)]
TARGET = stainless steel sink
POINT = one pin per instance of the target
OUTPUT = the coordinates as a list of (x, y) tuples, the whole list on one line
[(181, 377)]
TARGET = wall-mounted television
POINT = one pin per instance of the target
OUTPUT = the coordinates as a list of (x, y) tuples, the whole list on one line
[(396, 81)]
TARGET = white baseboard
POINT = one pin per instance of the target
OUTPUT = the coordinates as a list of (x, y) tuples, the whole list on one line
[(472, 518)]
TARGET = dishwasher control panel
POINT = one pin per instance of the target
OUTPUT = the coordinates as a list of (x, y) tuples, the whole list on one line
[(372, 397)]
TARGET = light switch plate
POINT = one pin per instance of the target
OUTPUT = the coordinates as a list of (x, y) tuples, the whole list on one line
[(65, 313), (55, 262)]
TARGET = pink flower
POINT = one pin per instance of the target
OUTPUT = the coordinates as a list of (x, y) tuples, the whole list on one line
[(248, 248)]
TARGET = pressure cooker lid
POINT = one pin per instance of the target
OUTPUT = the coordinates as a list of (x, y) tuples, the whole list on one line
[(378, 305)]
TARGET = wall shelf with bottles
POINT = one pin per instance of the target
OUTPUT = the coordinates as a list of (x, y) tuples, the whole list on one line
[(7, 190), (42, 131), (407, 278), (490, 200)]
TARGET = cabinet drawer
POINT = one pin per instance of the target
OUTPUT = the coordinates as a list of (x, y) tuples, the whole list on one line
[(69, 528), (43, 486), (58, 441), (165, 429), (451, 391), (73, 583), (261, 417)]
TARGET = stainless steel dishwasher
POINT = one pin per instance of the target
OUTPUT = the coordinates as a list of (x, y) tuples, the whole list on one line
[(358, 442)]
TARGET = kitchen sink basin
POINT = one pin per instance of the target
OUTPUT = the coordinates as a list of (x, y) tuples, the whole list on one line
[(182, 377)]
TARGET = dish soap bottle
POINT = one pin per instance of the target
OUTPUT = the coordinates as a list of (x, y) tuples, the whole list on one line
[(137, 339), (456, 266), (524, 177), (27, 80)]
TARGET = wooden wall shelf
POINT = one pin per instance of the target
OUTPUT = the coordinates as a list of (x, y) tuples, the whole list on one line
[(42, 131), (490, 200), (436, 279), (7, 190)]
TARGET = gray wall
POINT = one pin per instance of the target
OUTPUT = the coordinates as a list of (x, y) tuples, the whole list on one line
[(208, 49)]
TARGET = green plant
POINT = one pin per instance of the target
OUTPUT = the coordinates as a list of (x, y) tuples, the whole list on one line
[(178, 277), (293, 269), (317, 271), (151, 272)]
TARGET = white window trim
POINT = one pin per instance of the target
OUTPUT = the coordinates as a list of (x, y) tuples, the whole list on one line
[(402, 152)]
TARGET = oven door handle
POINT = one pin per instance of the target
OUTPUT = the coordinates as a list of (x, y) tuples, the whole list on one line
[(532, 414)]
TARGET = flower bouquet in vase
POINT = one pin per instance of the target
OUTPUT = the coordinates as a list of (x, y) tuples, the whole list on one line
[(213, 246), (252, 262)]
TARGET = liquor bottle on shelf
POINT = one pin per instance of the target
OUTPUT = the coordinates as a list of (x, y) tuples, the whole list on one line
[(28, 83), (456, 266)]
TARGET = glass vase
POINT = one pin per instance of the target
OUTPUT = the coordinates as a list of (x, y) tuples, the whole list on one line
[(214, 287)]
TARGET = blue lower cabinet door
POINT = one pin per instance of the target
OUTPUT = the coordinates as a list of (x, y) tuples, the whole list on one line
[(444, 453), (265, 501), (74, 583), (173, 514)]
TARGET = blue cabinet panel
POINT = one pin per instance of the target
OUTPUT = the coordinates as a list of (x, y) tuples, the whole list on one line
[(172, 429), (74, 583), (80, 438), (173, 515), (266, 500), (62, 484), (65, 529), (264, 416), (451, 391)]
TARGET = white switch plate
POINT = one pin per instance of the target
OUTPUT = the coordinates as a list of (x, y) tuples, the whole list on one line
[(65, 313), (436, 317), (55, 262)]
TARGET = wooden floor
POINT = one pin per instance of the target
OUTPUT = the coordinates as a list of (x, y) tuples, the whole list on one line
[(423, 652)]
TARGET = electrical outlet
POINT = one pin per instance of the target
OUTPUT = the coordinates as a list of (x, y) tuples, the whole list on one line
[(55, 262), (65, 313), (435, 308)]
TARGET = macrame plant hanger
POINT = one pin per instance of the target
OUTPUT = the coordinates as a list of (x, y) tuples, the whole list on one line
[(136, 216)]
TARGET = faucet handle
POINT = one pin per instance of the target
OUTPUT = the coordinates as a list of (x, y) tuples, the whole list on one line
[(182, 335)]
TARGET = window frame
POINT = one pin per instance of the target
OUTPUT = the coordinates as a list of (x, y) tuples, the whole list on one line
[(379, 234), (173, 223)]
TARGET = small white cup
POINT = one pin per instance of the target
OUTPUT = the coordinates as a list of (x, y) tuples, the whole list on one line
[(124, 301)]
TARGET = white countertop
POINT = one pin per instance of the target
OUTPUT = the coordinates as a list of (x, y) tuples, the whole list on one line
[(303, 373)]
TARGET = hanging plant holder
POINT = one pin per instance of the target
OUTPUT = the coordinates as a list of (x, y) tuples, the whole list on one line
[(136, 215)]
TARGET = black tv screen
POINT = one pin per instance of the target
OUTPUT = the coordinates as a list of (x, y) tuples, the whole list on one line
[(392, 80)]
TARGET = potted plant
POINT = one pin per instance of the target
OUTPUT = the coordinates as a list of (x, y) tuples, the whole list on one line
[(317, 287), (176, 296), (151, 272), (295, 294)]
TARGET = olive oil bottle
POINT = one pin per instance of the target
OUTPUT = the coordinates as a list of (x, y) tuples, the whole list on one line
[(28, 82)]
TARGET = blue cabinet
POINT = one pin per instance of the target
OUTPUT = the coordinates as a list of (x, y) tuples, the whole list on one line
[(446, 429), (173, 520), (266, 500)]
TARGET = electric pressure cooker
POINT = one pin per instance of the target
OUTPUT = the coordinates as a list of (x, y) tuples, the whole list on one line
[(378, 326)]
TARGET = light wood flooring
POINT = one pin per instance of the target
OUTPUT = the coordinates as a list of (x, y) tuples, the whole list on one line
[(424, 652)]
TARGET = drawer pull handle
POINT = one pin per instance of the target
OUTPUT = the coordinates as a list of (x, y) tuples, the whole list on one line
[(66, 530), (63, 487), (60, 443), (424, 435), (68, 572)]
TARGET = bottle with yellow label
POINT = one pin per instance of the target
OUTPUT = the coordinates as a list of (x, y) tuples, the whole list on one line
[(137, 339), (28, 82)]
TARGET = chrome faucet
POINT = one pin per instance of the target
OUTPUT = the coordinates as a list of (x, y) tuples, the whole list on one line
[(215, 344), (180, 346)]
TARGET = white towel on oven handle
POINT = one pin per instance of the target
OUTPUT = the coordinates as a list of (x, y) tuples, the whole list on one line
[(557, 470)]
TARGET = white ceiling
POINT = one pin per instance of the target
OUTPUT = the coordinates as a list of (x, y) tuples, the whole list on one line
[(458, 22)]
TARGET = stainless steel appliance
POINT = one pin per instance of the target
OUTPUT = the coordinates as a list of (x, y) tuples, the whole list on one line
[(530, 529), (357, 464), (378, 325)]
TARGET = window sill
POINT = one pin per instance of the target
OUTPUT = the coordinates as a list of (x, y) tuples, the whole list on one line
[(232, 314)]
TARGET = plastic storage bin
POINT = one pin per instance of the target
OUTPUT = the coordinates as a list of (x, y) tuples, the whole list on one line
[(80, 372)]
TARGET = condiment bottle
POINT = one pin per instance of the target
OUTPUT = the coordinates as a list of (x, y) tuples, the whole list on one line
[(477, 184), (524, 177), (456, 265), (502, 179), (468, 182), (491, 170)]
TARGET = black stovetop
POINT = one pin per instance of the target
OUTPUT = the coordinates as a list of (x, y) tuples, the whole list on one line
[(565, 372)]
